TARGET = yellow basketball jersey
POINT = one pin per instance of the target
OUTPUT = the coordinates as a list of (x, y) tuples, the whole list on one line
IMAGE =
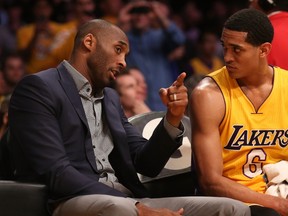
[(249, 138)]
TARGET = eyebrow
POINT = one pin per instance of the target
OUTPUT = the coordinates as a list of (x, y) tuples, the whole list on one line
[(231, 44), (122, 43)]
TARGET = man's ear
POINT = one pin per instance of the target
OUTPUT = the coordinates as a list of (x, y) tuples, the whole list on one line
[(265, 49), (89, 41)]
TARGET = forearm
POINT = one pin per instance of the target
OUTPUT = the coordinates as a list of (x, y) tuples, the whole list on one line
[(154, 154), (228, 188)]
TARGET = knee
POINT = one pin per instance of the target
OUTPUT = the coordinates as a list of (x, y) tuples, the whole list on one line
[(119, 207), (235, 207)]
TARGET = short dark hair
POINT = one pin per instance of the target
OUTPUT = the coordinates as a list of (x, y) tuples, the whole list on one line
[(256, 23), (97, 27)]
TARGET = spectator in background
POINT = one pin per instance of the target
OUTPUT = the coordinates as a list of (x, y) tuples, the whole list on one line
[(110, 10), (3, 15), (13, 70), (189, 18), (141, 83), (150, 46), (277, 11), (2, 87), (206, 59), (81, 12), (126, 86), (38, 42), (8, 30), (3, 116), (62, 10), (216, 14)]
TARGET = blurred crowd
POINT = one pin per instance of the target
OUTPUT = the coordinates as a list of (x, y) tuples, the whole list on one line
[(166, 37)]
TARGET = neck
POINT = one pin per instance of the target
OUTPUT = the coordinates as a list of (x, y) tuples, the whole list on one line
[(80, 66), (265, 76)]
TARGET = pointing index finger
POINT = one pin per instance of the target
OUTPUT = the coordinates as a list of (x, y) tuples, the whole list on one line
[(180, 80)]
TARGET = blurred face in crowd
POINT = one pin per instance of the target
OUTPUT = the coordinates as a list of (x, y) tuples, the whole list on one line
[(141, 19), (127, 87), (209, 44), (2, 83), (111, 7), (15, 13), (141, 88), (13, 70), (42, 10), (192, 14), (85, 10)]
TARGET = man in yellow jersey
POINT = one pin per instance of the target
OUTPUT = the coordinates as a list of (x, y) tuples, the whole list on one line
[(240, 117)]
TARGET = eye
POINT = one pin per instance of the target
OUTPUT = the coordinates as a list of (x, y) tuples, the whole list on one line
[(118, 49), (236, 49)]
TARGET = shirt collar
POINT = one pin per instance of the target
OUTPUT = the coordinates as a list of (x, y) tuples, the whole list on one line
[(82, 84)]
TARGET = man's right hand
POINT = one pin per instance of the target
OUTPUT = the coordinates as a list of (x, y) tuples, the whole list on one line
[(146, 211)]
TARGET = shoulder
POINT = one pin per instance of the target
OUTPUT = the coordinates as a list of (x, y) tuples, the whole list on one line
[(50, 73), (206, 88), (41, 80), (282, 74), (207, 101), (45, 76)]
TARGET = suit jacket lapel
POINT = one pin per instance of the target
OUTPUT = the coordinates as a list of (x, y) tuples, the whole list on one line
[(70, 89), (114, 121)]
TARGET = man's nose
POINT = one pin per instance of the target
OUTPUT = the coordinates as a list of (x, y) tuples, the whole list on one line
[(228, 57), (122, 63)]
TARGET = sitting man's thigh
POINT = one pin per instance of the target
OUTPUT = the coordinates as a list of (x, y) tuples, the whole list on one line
[(93, 205), (201, 206)]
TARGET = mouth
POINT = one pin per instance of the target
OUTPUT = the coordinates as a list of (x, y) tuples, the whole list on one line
[(115, 73), (229, 67)]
